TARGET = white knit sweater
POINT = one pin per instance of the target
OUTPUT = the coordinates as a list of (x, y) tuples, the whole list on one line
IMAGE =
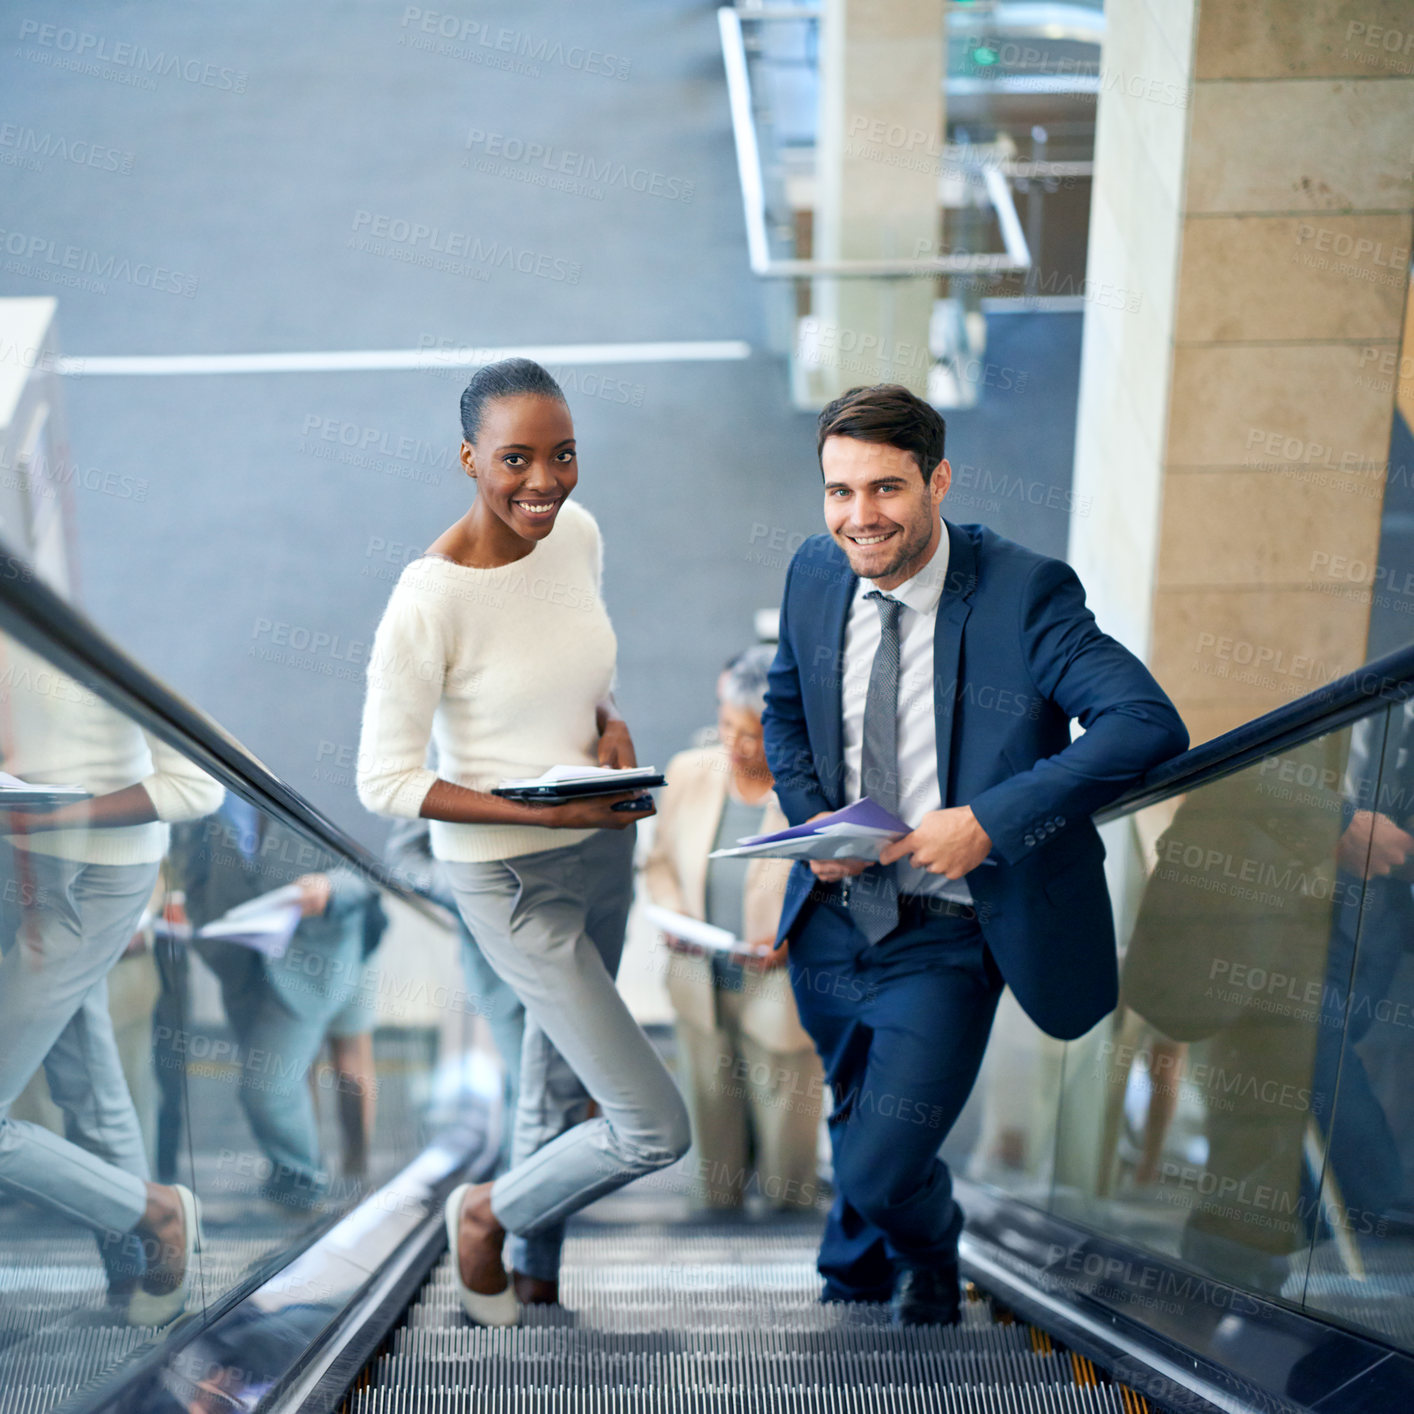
[(54, 731), (501, 668)]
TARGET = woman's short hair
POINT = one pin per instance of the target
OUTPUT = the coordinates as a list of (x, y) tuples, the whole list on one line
[(890, 414), (507, 379), (744, 682)]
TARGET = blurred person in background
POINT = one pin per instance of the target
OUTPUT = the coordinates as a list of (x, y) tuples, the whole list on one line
[(753, 1080), (349, 1046), (83, 872), (280, 1008)]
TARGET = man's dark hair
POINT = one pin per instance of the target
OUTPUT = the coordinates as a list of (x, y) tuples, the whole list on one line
[(887, 413), (507, 379)]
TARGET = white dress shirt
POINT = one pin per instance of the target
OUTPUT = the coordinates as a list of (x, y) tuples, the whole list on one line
[(917, 728)]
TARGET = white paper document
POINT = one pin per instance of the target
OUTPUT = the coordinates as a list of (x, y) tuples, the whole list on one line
[(580, 782), (695, 931), (36, 794), (266, 923), (569, 775)]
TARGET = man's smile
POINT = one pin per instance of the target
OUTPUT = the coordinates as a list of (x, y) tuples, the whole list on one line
[(876, 537)]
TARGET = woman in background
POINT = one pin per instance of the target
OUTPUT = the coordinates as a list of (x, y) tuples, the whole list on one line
[(752, 1076), (496, 643)]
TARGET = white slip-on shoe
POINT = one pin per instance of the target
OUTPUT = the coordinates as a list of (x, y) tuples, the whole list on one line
[(147, 1309), (502, 1309)]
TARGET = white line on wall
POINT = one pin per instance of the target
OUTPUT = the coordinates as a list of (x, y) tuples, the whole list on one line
[(403, 360)]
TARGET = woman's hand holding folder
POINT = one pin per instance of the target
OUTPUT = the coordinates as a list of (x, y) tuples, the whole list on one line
[(597, 812)]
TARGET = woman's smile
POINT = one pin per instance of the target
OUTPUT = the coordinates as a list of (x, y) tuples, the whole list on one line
[(539, 508)]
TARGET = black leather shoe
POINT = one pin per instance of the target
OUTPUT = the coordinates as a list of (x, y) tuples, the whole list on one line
[(927, 1296)]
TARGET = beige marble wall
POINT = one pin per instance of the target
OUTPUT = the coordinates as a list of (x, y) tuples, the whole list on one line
[(1262, 460)]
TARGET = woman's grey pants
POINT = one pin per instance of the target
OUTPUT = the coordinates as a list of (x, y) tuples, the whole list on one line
[(552, 926), (74, 922)]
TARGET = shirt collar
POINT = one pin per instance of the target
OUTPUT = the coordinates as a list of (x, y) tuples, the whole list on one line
[(922, 592)]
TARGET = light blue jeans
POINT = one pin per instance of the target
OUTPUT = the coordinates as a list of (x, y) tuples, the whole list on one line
[(281, 1010), (552, 926), (74, 921)]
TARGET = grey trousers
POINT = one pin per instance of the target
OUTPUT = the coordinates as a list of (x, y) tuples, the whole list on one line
[(74, 922), (552, 926)]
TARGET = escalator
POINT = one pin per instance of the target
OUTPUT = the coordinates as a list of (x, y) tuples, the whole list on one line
[(715, 1316), (1154, 1223)]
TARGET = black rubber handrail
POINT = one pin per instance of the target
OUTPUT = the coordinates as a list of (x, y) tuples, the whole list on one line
[(33, 613), (1382, 682)]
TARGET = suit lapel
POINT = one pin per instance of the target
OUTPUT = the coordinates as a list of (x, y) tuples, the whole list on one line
[(834, 618), (953, 609)]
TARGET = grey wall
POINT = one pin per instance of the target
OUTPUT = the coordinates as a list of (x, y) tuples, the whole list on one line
[(221, 521)]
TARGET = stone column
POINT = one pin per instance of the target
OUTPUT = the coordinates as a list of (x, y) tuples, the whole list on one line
[(1248, 263), (877, 156)]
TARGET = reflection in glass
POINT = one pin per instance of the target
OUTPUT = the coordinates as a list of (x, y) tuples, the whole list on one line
[(1231, 1129), (288, 934), (191, 1019), (80, 866), (1362, 1265), (408, 853)]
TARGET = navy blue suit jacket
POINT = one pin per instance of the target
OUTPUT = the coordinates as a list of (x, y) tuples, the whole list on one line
[(1016, 656)]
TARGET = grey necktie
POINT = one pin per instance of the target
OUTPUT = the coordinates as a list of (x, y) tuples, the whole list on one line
[(873, 896)]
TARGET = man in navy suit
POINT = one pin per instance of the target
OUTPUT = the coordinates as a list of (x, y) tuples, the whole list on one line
[(937, 668)]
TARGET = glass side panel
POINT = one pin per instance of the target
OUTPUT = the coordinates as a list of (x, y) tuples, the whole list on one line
[(196, 1003), (1362, 1262), (1195, 1120), (1006, 1134)]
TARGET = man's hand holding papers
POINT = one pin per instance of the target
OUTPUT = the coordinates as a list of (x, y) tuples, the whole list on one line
[(831, 871), (837, 844), (266, 924)]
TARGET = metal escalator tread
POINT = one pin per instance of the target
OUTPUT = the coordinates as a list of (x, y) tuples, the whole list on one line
[(58, 1337), (60, 1340), (710, 1317)]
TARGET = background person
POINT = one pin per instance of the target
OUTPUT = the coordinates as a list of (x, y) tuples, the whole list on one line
[(965, 659), (349, 1044), (280, 1008), (752, 1077), (497, 643)]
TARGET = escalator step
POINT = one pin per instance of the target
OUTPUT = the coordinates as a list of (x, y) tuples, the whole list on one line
[(701, 1317)]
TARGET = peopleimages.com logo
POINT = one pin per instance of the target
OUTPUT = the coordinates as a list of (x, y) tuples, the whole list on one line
[(504, 150), (62, 47), (42, 257)]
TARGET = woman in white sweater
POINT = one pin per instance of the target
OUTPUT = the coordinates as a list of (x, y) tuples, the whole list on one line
[(495, 645)]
